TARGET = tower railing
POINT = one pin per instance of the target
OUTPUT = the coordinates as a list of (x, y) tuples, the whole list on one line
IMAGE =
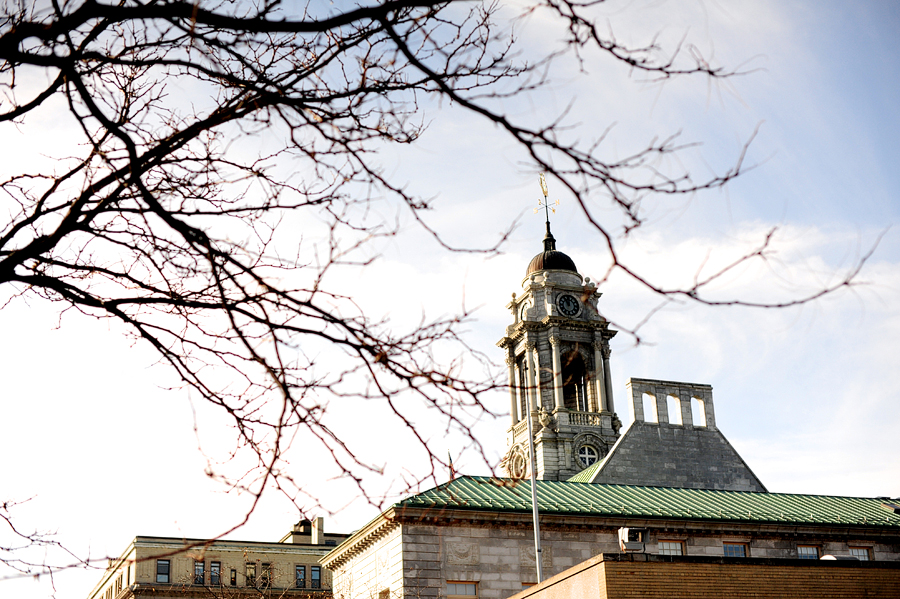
[(584, 418)]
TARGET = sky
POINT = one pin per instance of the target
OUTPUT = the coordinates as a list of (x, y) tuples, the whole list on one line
[(99, 447)]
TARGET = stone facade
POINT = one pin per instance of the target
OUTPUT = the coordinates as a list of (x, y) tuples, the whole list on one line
[(476, 533), (672, 476), (376, 569), (558, 360), (557, 353), (681, 454), (495, 550)]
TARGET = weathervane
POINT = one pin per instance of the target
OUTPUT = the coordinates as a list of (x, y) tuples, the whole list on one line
[(545, 203)]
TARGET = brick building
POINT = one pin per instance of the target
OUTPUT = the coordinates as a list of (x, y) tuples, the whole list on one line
[(619, 576), (163, 567)]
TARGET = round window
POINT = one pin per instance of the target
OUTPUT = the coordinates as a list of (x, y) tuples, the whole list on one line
[(587, 455)]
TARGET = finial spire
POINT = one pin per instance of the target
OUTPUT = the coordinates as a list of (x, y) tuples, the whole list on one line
[(549, 241)]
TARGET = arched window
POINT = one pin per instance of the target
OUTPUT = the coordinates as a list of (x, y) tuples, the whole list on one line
[(573, 382), (698, 412), (522, 371), (650, 408), (674, 405)]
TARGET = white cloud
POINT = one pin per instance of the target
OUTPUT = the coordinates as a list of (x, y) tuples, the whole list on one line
[(808, 395)]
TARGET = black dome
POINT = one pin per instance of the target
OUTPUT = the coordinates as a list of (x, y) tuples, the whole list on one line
[(550, 258)]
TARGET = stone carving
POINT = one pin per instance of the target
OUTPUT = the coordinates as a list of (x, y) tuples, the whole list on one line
[(516, 463), (590, 439), (463, 554), (616, 423), (526, 556), (547, 420)]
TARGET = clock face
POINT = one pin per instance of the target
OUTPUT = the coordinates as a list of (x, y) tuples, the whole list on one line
[(568, 305)]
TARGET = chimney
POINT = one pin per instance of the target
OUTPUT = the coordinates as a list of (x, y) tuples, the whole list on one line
[(318, 531)]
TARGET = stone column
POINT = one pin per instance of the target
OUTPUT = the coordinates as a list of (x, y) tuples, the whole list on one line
[(607, 379), (599, 378), (532, 386), (708, 410), (687, 419), (557, 373), (511, 367)]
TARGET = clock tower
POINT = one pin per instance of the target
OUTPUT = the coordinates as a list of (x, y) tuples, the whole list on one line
[(557, 351)]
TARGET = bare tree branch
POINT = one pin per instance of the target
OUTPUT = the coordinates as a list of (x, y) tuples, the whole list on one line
[(161, 224)]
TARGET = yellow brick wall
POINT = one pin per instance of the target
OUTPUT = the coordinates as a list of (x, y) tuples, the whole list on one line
[(625, 580)]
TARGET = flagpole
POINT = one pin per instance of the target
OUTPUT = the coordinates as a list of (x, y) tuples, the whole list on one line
[(532, 410), (534, 503)]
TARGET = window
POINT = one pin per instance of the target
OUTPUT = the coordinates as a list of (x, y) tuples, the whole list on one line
[(315, 577), (807, 552), (233, 577), (250, 575), (860, 553), (674, 408), (672, 548), (300, 575), (587, 455), (574, 387), (698, 412), (523, 389), (162, 570), (735, 549), (215, 573), (265, 575), (462, 589), (199, 573), (649, 403)]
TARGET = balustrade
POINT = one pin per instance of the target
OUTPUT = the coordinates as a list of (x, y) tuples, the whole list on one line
[(584, 418)]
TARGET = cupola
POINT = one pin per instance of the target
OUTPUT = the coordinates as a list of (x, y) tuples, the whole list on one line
[(550, 258)]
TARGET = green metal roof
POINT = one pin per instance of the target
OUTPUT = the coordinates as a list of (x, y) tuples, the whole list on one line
[(585, 499), (587, 474)]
